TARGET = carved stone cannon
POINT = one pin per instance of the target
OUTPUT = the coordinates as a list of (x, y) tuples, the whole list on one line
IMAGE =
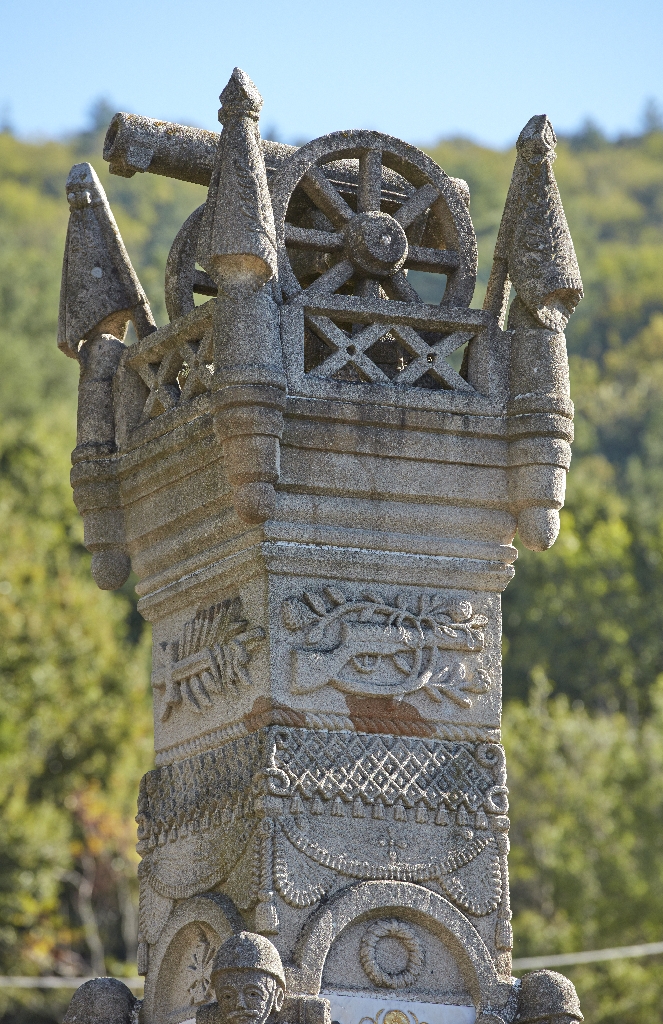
[(320, 511)]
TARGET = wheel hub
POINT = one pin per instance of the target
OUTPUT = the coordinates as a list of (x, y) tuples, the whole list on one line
[(376, 244)]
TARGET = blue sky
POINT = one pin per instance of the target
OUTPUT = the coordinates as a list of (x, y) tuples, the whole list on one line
[(418, 70)]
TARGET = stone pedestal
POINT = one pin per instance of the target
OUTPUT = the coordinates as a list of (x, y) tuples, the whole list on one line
[(327, 692)]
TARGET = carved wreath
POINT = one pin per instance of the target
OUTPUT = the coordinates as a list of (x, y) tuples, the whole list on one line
[(391, 929)]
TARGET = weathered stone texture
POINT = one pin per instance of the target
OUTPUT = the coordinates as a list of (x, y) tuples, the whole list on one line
[(320, 509)]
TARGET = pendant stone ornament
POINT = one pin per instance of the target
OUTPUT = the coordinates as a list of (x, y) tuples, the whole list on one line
[(320, 509)]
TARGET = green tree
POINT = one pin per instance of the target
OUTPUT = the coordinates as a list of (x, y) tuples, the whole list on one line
[(586, 863), (583, 648)]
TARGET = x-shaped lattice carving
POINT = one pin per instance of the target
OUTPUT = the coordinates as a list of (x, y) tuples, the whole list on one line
[(351, 350), (411, 773), (182, 373)]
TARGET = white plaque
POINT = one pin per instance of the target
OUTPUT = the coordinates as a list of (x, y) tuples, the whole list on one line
[(360, 1009)]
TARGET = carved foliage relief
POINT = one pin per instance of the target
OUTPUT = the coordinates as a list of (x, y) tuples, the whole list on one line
[(373, 644), (209, 661)]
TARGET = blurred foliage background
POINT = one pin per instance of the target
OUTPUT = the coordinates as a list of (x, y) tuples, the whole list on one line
[(583, 671)]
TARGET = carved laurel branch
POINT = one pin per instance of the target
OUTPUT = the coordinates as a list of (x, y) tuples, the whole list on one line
[(211, 657), (410, 636), (317, 612)]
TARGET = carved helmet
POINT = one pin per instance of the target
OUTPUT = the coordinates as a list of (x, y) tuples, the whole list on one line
[(547, 996), (248, 950)]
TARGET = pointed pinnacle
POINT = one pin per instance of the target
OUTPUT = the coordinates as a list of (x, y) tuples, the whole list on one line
[(240, 98), (537, 140)]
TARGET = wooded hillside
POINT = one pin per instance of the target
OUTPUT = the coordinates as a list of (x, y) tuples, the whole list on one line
[(583, 721)]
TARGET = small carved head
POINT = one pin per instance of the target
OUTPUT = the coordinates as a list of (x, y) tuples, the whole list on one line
[(248, 980), (547, 997)]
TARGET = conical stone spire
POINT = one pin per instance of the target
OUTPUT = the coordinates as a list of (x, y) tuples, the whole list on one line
[(100, 290), (534, 249), (237, 247), (237, 234)]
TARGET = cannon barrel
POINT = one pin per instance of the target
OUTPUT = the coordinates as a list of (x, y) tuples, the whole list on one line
[(134, 143)]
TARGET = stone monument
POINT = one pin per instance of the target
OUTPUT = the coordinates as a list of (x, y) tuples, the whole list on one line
[(318, 496)]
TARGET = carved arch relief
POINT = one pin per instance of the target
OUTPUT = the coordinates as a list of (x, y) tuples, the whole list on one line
[(409, 903), (183, 957)]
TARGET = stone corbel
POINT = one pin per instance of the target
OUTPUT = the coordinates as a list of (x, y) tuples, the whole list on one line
[(540, 425), (249, 425)]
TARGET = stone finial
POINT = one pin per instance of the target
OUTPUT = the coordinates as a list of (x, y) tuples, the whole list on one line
[(247, 975), (100, 293), (102, 1001), (548, 998), (240, 98), (237, 237), (534, 250), (237, 247), (535, 253), (100, 290)]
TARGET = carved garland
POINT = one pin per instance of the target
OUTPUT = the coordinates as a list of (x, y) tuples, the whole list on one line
[(403, 872)]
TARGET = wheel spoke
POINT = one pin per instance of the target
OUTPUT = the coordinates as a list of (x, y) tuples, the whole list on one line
[(324, 195), (332, 279), (398, 287), (369, 288), (308, 238), (370, 181), (416, 204), (203, 284), (432, 261)]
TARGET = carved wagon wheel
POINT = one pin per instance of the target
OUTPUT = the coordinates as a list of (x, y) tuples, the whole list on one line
[(366, 248), (182, 277), (357, 214)]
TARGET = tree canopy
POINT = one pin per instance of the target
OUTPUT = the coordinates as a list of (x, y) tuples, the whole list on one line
[(583, 669)]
